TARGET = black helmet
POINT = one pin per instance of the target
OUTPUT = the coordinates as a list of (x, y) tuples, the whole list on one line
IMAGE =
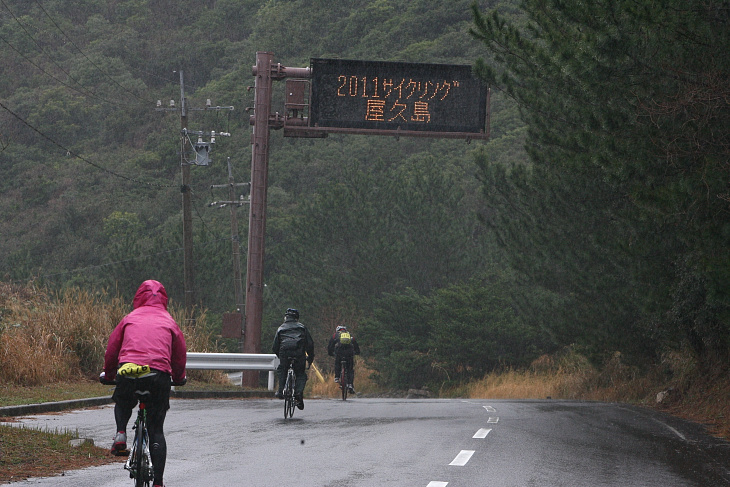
[(293, 313)]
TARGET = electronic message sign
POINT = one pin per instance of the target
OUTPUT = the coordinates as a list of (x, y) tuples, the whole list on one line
[(396, 96)]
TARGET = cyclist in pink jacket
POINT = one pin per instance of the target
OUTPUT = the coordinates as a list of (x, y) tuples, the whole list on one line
[(146, 336)]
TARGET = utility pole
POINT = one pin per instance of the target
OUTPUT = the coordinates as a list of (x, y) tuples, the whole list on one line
[(237, 317), (257, 212), (235, 242), (187, 212), (201, 149), (265, 72)]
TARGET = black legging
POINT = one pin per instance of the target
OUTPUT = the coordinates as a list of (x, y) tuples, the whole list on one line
[(155, 428), (299, 366)]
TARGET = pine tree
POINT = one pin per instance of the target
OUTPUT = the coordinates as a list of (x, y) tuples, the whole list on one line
[(631, 98)]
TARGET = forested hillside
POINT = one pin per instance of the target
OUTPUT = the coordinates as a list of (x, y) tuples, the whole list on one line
[(595, 218)]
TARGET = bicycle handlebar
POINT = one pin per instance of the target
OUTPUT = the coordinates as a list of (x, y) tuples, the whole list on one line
[(105, 381)]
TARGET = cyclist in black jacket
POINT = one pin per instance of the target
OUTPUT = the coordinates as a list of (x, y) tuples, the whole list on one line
[(293, 340), (344, 350)]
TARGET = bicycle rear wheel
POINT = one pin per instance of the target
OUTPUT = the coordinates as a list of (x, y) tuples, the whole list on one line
[(289, 401), (138, 470), (343, 381), (290, 405)]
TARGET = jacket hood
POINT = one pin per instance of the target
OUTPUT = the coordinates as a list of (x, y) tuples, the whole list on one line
[(150, 293)]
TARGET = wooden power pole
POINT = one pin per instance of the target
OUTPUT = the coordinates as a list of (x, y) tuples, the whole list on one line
[(257, 212), (187, 211), (265, 72)]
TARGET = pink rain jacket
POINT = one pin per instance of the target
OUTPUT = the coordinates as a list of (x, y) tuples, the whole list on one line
[(148, 336)]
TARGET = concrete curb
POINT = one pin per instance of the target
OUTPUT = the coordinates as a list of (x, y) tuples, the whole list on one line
[(52, 407)]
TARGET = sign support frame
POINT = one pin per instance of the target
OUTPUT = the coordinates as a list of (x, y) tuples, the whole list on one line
[(265, 72)]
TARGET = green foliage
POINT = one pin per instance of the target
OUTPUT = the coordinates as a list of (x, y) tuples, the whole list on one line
[(397, 339), (477, 329), (406, 228), (459, 332), (611, 93)]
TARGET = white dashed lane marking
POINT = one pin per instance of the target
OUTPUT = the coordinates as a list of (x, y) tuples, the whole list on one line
[(462, 458), (465, 455), (482, 433)]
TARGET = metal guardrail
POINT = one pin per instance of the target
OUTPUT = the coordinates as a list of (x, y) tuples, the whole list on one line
[(234, 361)]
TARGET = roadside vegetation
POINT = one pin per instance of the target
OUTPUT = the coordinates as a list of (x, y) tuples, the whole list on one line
[(50, 337), (26, 453), (52, 347)]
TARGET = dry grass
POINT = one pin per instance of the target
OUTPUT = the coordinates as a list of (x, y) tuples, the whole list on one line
[(34, 346), (524, 385), (33, 453), (557, 385), (324, 385), (706, 402), (567, 376), (693, 394), (47, 338)]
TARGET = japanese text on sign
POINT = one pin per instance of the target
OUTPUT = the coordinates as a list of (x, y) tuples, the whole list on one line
[(408, 97)]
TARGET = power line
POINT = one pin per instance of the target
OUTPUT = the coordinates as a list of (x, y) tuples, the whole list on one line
[(71, 153), (131, 259), (40, 68), (87, 57), (40, 48), (82, 91)]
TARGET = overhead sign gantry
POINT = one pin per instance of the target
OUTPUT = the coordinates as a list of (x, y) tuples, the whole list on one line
[(352, 97)]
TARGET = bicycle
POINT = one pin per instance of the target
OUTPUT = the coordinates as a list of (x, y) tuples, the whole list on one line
[(139, 460), (345, 385), (343, 379), (289, 399)]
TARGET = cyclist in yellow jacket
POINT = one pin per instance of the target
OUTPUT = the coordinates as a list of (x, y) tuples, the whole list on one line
[(343, 346)]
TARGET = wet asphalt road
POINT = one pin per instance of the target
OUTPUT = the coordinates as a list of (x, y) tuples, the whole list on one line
[(419, 443)]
